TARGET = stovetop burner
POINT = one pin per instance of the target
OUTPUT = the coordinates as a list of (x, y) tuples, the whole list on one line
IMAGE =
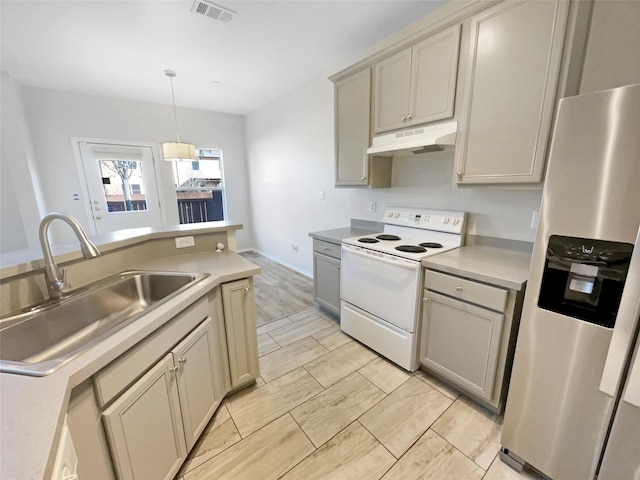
[(411, 249), (386, 236), (368, 240), (431, 245)]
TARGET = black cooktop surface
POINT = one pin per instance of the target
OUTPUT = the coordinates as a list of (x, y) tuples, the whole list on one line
[(411, 249), (386, 236)]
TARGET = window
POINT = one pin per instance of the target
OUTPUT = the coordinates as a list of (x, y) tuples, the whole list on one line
[(199, 188)]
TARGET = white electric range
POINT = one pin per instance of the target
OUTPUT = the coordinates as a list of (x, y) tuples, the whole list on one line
[(381, 281)]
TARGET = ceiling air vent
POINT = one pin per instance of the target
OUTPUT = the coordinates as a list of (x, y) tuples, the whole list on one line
[(211, 10)]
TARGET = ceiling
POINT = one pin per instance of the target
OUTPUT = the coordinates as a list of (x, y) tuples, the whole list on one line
[(120, 48)]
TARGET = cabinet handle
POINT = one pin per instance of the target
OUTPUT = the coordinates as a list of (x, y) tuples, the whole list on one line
[(182, 360), (458, 289), (426, 300), (459, 175), (408, 117), (173, 369), (404, 118), (326, 249), (338, 267)]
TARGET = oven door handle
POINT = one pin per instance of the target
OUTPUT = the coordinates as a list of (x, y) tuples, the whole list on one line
[(408, 266)]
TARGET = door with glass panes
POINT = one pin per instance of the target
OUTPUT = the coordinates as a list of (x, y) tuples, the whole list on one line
[(122, 186)]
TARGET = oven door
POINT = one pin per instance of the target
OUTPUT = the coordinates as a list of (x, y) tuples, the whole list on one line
[(383, 285)]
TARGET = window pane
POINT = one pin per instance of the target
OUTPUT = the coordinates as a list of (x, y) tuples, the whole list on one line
[(123, 185), (198, 174)]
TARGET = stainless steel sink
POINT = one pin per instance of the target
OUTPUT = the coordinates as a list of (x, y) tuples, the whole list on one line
[(38, 341)]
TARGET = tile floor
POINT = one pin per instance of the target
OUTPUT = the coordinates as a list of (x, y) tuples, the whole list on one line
[(327, 407)]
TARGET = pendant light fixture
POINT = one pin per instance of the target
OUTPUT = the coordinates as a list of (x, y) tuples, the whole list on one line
[(176, 150)]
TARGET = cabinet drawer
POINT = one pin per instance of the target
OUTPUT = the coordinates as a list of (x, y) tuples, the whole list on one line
[(466, 290), (326, 248), (123, 371)]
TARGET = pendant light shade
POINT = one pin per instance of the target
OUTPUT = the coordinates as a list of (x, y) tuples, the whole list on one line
[(178, 151), (172, 151)]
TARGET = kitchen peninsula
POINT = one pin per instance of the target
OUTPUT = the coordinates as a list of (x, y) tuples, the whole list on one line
[(218, 307)]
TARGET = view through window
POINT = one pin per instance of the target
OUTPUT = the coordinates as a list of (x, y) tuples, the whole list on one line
[(123, 185), (199, 187)]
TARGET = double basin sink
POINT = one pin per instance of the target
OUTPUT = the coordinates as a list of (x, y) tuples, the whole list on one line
[(40, 340)]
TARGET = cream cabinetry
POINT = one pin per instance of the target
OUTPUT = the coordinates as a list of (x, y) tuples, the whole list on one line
[(144, 426), (468, 335), (353, 135), (417, 85), (240, 323), (511, 79), (153, 425)]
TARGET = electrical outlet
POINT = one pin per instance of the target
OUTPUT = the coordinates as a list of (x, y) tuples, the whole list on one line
[(183, 242), (294, 247), (372, 206)]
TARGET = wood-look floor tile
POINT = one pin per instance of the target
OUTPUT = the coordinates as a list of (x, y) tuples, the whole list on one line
[(266, 344), (384, 375), (330, 411), (501, 471), (433, 458), (298, 330), (404, 415), (254, 409), (442, 387), (332, 338), (273, 325), (289, 358), (338, 363), (353, 454), (472, 430), (219, 435), (265, 455), (306, 313)]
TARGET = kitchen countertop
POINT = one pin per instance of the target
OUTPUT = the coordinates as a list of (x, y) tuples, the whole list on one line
[(336, 235), (33, 408), (497, 266), (24, 261)]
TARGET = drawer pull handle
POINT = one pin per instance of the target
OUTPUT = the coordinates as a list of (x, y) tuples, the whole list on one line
[(182, 360), (458, 289), (326, 249), (173, 369)]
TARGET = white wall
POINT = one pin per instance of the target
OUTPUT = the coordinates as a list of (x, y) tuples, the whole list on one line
[(613, 51), (56, 116), (291, 158), (21, 201)]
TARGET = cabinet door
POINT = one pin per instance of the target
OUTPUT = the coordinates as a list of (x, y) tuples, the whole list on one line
[(353, 125), (392, 78), (461, 342), (144, 427), (434, 68), (326, 283), (509, 94), (194, 357), (242, 340)]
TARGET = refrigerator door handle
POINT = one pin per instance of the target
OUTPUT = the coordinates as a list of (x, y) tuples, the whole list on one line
[(624, 329)]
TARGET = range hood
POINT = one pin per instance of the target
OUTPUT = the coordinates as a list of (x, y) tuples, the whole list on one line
[(424, 139)]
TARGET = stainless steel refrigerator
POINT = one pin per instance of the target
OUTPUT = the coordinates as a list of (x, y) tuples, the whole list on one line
[(573, 408)]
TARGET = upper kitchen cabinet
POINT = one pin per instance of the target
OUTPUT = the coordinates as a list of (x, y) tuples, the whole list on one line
[(512, 75), (417, 85), (353, 135)]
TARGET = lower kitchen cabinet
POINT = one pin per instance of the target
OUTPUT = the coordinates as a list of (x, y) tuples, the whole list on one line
[(140, 415), (240, 323), (144, 426), (153, 425), (326, 276), (468, 335)]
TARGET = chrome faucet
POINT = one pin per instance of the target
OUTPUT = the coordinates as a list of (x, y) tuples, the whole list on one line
[(56, 277)]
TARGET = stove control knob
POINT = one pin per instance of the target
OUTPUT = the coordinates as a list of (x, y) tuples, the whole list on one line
[(390, 214), (445, 220), (456, 221), (396, 215)]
